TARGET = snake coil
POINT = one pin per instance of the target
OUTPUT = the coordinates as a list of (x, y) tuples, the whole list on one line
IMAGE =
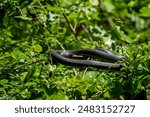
[(67, 57)]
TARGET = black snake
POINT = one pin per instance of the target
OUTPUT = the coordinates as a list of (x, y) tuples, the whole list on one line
[(72, 58)]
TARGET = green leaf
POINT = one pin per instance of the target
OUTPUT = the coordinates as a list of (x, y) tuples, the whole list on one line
[(108, 5), (56, 96), (106, 94), (68, 3), (3, 81), (94, 2), (131, 3), (37, 48), (145, 12), (18, 55), (118, 34), (25, 94), (30, 73)]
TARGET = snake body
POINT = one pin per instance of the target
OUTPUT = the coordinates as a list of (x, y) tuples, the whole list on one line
[(66, 57)]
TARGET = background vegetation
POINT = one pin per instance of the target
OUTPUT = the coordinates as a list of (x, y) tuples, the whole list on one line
[(29, 29)]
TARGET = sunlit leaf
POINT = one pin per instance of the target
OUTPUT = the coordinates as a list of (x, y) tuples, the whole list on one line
[(37, 48), (3, 81), (145, 12), (94, 2), (108, 5)]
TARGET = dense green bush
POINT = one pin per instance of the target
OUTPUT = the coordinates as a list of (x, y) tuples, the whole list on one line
[(29, 29)]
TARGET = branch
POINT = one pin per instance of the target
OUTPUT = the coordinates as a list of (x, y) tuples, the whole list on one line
[(69, 24)]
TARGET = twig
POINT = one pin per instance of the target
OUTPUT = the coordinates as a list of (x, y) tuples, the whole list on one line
[(60, 44), (69, 24), (41, 6), (79, 16), (88, 33), (20, 66)]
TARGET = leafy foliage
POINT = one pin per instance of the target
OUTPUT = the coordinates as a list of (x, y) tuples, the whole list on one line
[(29, 29)]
